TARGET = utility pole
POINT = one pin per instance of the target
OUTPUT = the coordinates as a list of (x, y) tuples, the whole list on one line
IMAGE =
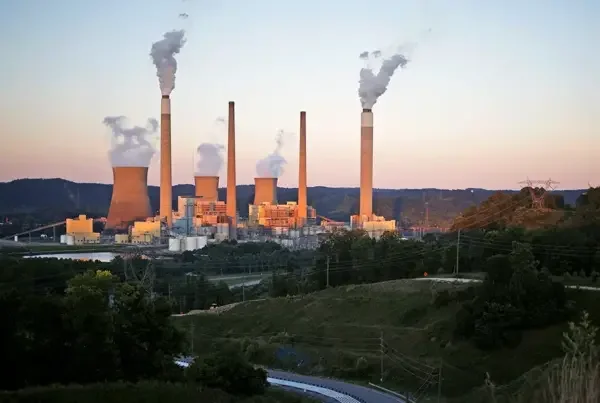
[(381, 356), (192, 335), (327, 271), (457, 251)]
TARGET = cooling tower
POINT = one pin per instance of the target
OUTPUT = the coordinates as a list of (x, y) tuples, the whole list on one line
[(231, 191), (166, 184), (207, 187), (366, 164), (302, 212), (130, 200), (265, 190)]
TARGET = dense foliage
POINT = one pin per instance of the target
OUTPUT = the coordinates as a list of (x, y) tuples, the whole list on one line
[(97, 330)]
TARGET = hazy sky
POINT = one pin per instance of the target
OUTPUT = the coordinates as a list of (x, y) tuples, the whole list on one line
[(497, 92)]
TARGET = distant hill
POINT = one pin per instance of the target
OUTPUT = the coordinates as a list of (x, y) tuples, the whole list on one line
[(55, 198)]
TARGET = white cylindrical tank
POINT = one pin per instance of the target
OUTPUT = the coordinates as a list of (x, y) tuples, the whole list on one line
[(63, 239), (174, 244), (190, 243), (16, 238), (201, 242), (70, 240)]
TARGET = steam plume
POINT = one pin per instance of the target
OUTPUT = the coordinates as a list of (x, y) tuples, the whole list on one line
[(372, 86), (130, 147), (163, 56), (273, 164), (210, 159)]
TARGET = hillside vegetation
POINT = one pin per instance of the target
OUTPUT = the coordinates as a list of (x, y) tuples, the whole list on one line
[(337, 332)]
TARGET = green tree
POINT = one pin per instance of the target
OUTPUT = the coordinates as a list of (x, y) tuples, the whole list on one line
[(228, 370)]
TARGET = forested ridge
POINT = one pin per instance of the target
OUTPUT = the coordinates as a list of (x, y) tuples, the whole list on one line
[(21, 202)]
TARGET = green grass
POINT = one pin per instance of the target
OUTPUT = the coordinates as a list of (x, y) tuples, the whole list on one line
[(334, 328)]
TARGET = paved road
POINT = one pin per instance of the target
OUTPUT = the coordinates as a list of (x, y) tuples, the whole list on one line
[(361, 393)]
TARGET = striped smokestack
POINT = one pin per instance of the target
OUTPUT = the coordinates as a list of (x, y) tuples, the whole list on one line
[(207, 187), (366, 164), (231, 181), (166, 181), (302, 190), (265, 190)]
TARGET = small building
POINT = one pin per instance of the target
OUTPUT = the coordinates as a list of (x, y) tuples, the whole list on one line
[(86, 238), (121, 238), (80, 225)]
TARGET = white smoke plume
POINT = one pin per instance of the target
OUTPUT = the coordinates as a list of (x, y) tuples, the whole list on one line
[(272, 166), (163, 56), (372, 86), (131, 147), (210, 159)]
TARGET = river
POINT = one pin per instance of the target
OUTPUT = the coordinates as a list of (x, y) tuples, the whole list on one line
[(101, 256)]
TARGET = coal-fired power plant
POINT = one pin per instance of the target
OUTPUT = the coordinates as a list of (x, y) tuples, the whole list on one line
[(265, 191), (130, 201), (231, 180), (207, 188), (166, 180), (366, 165), (302, 187)]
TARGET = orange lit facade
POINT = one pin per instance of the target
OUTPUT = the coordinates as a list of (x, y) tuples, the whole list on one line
[(204, 213), (279, 215)]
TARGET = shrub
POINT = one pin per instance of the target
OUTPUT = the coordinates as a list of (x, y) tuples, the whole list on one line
[(229, 371)]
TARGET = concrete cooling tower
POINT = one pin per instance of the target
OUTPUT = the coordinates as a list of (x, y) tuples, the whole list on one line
[(265, 190), (366, 164), (130, 201), (207, 187)]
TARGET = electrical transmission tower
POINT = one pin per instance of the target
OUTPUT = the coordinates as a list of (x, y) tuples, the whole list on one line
[(139, 268), (538, 189)]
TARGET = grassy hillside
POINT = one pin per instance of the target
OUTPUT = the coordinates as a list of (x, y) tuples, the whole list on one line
[(337, 332)]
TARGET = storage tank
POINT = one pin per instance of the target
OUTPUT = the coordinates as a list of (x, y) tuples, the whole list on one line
[(174, 244), (63, 239), (190, 243), (201, 242), (70, 240)]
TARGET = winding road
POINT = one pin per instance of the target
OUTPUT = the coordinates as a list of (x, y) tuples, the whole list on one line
[(356, 393)]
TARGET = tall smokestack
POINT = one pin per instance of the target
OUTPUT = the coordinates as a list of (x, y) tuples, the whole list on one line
[(366, 164), (166, 181), (207, 187), (231, 183), (129, 200), (302, 190), (265, 190)]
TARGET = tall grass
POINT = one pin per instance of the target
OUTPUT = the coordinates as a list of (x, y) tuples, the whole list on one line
[(577, 380)]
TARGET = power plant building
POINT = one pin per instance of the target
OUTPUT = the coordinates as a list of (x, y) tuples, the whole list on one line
[(145, 232), (80, 225), (80, 230)]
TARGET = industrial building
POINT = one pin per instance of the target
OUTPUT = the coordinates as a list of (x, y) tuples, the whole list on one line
[(203, 216), (80, 231)]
